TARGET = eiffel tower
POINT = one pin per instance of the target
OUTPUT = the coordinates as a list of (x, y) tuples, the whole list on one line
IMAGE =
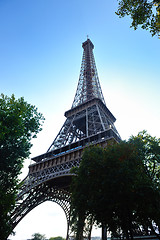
[(89, 121)]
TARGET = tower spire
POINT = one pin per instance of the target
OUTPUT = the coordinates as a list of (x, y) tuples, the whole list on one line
[(88, 84)]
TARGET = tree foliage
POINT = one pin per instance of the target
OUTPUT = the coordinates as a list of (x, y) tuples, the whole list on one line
[(19, 123), (144, 13), (119, 187), (149, 153), (38, 236), (56, 238)]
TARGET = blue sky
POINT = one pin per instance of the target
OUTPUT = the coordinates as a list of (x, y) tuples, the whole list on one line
[(40, 59)]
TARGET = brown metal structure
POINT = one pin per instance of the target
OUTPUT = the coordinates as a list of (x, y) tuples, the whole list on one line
[(89, 121)]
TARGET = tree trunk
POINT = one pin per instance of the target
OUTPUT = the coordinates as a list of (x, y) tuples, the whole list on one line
[(104, 232), (90, 230), (131, 234), (80, 227), (127, 235)]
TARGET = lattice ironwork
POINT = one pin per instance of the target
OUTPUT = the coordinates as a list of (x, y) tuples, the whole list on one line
[(45, 174), (89, 121), (38, 195), (89, 114), (88, 84), (84, 121)]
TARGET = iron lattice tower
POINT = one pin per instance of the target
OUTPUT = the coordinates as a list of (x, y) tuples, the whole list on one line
[(89, 121)]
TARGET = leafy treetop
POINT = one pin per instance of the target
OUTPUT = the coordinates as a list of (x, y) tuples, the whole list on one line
[(144, 13), (19, 123), (38, 236), (57, 238), (118, 187)]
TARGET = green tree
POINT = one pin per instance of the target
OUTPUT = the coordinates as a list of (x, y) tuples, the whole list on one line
[(19, 123), (56, 238), (144, 13), (148, 148), (114, 187), (38, 236)]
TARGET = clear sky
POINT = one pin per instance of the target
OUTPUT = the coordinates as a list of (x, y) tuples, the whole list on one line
[(40, 59)]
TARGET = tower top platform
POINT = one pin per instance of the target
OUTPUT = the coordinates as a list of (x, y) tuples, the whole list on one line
[(87, 42)]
